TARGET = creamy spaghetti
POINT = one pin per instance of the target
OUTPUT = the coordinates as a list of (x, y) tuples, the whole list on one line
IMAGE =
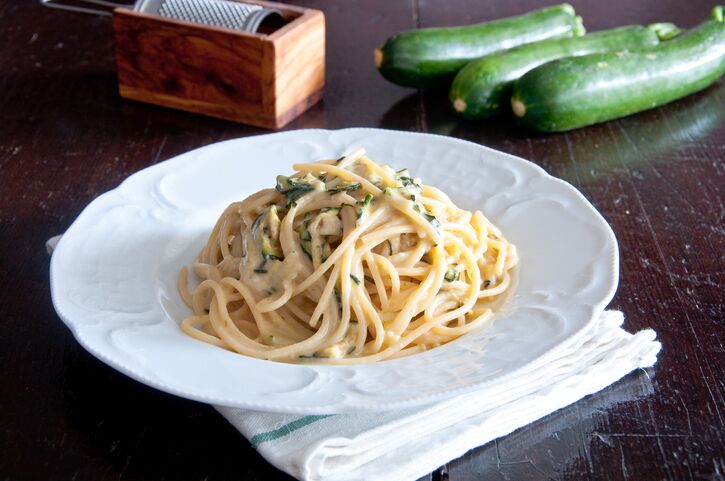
[(346, 261)]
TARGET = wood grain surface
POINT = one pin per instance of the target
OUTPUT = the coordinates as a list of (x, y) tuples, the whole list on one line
[(657, 177), (255, 79)]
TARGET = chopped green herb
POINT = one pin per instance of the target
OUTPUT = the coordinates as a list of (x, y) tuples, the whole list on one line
[(452, 274), (295, 187), (270, 339), (362, 205), (409, 186), (432, 219), (344, 188), (305, 236), (355, 279)]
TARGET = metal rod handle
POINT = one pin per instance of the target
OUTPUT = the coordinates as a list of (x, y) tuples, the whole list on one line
[(109, 6)]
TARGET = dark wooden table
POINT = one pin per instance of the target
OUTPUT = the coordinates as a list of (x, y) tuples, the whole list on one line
[(66, 137)]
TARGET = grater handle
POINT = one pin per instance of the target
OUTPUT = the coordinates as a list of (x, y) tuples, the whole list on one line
[(106, 6)]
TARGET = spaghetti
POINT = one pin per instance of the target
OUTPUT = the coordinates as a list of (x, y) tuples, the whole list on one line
[(346, 261)]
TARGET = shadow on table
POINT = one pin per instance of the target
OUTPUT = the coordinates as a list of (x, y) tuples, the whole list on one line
[(138, 432), (552, 447), (84, 106), (647, 136), (430, 111)]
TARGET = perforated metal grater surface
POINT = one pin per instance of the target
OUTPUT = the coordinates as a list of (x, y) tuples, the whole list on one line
[(234, 15), (220, 13)]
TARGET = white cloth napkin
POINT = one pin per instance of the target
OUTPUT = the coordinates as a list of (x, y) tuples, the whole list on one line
[(407, 444)]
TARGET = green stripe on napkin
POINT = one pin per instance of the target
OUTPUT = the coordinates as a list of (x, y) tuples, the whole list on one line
[(288, 428)]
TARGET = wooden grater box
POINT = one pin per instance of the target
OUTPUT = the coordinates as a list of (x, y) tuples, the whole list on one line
[(252, 78)]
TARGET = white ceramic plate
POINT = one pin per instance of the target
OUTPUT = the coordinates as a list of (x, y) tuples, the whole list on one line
[(114, 273)]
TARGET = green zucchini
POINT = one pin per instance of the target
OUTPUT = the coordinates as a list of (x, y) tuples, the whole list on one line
[(295, 187), (305, 237), (483, 87), (578, 91), (430, 57), (363, 206), (265, 231), (452, 274)]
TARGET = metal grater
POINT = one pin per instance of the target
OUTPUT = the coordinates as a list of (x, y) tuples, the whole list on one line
[(234, 15), (245, 17), (256, 62)]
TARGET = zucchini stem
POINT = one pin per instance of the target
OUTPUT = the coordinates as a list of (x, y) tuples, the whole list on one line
[(718, 13), (459, 104), (665, 31), (378, 55), (579, 30), (518, 107)]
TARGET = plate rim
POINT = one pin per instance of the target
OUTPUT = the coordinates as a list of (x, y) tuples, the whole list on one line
[(409, 401)]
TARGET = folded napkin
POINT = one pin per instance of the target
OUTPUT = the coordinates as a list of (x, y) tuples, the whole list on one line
[(407, 444)]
